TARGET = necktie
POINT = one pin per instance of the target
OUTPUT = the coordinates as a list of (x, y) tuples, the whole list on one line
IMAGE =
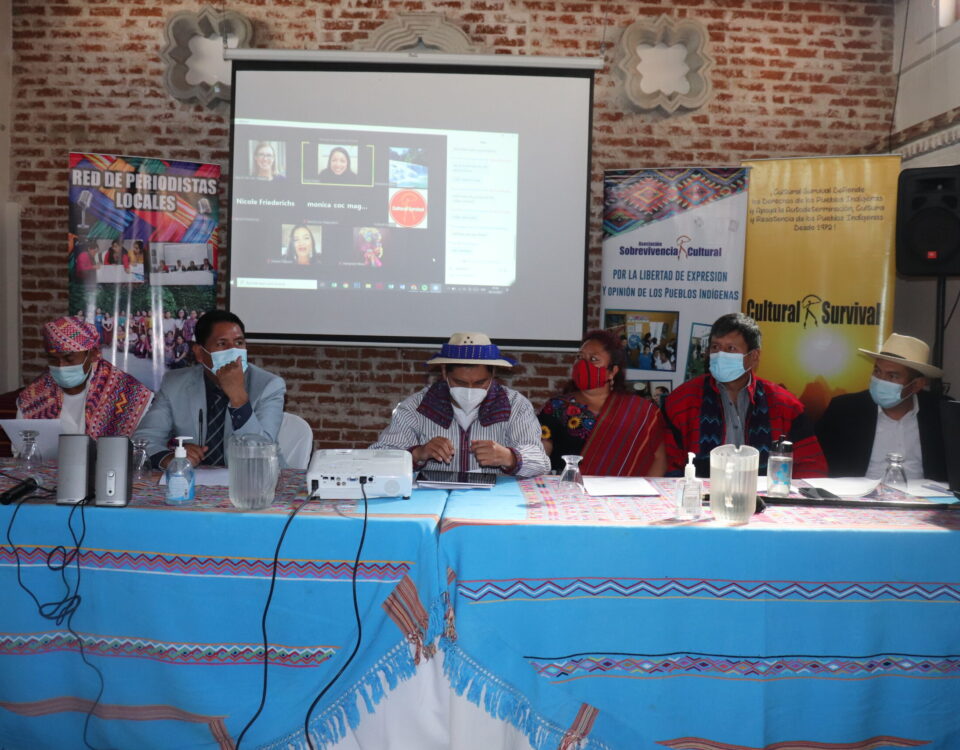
[(218, 412)]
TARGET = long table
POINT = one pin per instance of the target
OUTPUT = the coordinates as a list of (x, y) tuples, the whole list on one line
[(170, 609), (601, 621)]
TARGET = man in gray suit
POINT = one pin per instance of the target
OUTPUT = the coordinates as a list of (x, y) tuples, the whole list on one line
[(219, 396)]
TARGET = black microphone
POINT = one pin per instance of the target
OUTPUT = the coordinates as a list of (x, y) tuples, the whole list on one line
[(19, 491)]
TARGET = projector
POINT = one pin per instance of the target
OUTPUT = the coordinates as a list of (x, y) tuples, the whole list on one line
[(335, 474)]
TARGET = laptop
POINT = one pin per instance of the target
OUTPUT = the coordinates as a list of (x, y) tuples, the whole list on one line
[(456, 480)]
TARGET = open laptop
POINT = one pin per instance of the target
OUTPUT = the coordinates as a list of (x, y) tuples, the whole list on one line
[(456, 480)]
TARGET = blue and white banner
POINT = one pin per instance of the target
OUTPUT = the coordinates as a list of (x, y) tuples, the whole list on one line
[(673, 245)]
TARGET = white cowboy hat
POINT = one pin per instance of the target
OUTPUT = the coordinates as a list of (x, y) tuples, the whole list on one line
[(470, 349), (908, 351)]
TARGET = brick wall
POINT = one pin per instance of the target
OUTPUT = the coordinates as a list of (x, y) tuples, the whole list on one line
[(791, 78)]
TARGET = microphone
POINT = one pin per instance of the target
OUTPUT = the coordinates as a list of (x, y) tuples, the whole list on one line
[(19, 491)]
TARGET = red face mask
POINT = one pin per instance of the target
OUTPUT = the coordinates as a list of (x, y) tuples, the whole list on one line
[(587, 376)]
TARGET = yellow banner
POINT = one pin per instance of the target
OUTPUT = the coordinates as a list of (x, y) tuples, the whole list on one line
[(819, 269)]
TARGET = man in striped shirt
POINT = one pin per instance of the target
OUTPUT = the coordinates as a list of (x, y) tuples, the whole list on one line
[(468, 420)]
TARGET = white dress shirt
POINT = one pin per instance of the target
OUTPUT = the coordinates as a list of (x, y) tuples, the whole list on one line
[(897, 436)]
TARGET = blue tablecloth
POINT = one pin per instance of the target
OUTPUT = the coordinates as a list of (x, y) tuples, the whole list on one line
[(601, 621), (170, 612)]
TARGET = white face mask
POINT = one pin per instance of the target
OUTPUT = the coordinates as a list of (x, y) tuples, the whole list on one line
[(466, 404)]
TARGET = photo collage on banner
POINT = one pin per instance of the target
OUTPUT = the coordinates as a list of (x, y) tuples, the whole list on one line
[(673, 246), (142, 256), (820, 269)]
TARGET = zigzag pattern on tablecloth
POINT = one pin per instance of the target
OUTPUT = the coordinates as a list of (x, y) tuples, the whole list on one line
[(747, 667), (164, 651), (387, 571), (703, 588)]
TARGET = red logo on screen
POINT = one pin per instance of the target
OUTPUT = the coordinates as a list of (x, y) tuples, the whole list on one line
[(408, 208), (931, 254)]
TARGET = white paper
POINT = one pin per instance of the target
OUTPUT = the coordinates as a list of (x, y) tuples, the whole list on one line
[(601, 486), (929, 488), (48, 437), (206, 476), (845, 486)]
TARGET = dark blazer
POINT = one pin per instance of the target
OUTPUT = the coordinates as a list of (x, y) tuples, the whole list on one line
[(847, 428)]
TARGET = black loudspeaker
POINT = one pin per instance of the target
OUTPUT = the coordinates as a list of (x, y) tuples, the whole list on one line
[(114, 478), (75, 463), (928, 222)]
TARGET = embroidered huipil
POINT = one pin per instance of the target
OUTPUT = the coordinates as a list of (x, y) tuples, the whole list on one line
[(504, 416)]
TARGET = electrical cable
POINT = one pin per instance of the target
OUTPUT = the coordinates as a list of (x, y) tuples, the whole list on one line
[(62, 611), (952, 311), (896, 90), (356, 614), (263, 623)]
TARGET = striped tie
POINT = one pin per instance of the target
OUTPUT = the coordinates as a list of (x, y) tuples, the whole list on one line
[(218, 412)]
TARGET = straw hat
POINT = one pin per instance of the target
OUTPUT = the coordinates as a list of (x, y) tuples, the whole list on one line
[(906, 350), (471, 349)]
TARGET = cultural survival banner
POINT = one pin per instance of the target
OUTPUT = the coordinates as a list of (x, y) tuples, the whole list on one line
[(142, 256), (820, 269), (673, 242)]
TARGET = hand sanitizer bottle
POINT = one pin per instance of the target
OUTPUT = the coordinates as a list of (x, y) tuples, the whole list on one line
[(689, 492), (180, 478)]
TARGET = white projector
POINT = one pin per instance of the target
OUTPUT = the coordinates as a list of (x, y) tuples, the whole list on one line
[(335, 474)]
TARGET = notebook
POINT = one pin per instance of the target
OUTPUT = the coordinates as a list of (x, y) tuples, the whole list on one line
[(456, 480)]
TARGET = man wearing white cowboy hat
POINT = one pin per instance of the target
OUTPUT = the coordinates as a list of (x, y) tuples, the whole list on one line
[(894, 415), (467, 420)]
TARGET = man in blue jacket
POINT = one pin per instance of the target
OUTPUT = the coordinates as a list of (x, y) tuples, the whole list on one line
[(219, 396)]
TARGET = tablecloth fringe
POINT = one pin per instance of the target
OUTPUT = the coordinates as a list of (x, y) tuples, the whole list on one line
[(502, 701)]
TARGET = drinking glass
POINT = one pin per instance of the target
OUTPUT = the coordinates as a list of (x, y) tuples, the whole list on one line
[(29, 458), (570, 478), (141, 461), (894, 478)]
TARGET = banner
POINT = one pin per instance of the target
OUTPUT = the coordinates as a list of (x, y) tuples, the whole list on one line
[(672, 264), (142, 256), (820, 269)]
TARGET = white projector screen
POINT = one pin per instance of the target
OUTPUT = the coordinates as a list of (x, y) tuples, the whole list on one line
[(400, 203)]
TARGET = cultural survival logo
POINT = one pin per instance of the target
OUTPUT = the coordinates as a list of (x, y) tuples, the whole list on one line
[(813, 310)]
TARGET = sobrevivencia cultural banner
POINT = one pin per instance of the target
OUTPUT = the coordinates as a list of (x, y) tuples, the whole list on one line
[(672, 264), (820, 269), (142, 256)]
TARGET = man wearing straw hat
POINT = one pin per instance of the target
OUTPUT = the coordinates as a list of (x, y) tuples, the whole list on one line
[(894, 415), (467, 420)]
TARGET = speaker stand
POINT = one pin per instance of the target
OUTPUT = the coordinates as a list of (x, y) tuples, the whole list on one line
[(941, 309)]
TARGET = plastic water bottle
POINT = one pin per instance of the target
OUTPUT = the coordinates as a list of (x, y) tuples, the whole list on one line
[(181, 482)]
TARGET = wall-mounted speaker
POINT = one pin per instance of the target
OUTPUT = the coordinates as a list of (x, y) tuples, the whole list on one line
[(114, 478), (75, 464), (928, 222)]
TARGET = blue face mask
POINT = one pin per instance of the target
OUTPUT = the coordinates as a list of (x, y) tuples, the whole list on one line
[(885, 394), (70, 376), (225, 357), (726, 366)]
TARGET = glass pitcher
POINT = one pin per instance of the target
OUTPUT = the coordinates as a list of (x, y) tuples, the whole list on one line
[(733, 482), (253, 466), (570, 478)]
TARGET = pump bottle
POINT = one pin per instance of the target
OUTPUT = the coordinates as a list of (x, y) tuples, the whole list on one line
[(689, 492), (180, 477)]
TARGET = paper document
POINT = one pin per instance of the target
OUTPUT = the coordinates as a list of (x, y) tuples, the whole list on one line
[(48, 437), (206, 476), (603, 486)]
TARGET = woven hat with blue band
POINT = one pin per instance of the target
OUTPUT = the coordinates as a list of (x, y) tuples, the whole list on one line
[(471, 349)]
